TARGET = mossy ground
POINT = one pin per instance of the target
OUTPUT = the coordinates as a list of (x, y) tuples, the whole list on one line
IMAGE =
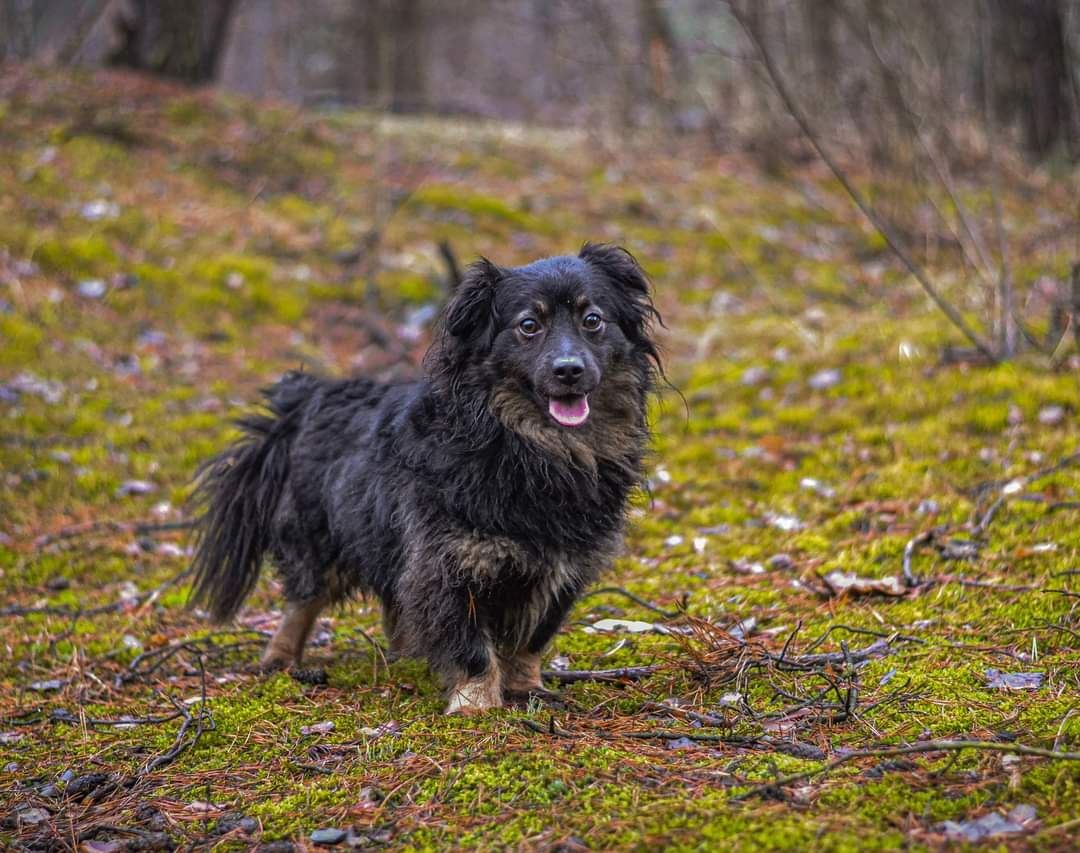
[(221, 230)]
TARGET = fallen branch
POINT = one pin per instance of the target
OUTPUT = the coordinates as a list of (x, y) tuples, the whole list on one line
[(982, 518), (1005, 587), (92, 528), (908, 749), (878, 648), (191, 729), (641, 602), (628, 673)]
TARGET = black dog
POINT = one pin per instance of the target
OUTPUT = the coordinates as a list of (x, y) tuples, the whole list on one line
[(478, 503)]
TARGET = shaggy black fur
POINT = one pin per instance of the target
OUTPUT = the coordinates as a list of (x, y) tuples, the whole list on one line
[(463, 501)]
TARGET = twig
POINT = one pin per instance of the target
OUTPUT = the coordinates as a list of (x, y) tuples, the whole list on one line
[(157, 658), (91, 528), (1007, 331), (891, 636), (908, 749), (77, 613), (628, 673), (1005, 587), (550, 729), (883, 227), (892, 80), (618, 590), (877, 648), (185, 737)]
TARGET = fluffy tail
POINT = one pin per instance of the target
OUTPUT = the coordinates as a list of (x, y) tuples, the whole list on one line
[(238, 492)]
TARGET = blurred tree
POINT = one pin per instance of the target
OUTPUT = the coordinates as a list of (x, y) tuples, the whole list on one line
[(1031, 82), (669, 71), (183, 39), (387, 42)]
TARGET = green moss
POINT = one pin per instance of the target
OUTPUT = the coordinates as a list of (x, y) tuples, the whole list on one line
[(215, 280), (482, 207), (407, 287), (22, 341), (76, 257)]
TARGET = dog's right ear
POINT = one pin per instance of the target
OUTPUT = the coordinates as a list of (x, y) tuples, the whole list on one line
[(471, 312)]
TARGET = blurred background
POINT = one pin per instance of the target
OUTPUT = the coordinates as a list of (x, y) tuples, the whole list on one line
[(869, 67)]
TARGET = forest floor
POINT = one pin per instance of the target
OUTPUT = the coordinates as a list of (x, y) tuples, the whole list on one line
[(165, 253)]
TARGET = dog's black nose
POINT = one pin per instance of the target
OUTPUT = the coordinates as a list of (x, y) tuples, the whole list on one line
[(569, 369)]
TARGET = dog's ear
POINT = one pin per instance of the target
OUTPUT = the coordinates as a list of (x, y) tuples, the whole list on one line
[(471, 312), (619, 266), (625, 273)]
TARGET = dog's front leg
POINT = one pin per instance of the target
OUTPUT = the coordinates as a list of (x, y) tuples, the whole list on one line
[(440, 619), (471, 694), (521, 670), (467, 660)]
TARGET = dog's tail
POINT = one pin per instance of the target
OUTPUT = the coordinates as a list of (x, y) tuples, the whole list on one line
[(238, 493)]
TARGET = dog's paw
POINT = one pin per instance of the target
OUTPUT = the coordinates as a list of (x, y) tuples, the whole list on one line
[(474, 696)]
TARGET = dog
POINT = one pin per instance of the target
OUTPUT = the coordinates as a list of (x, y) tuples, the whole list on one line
[(477, 503)]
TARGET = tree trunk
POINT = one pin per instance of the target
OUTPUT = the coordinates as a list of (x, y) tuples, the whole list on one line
[(1032, 82), (182, 39), (405, 22)]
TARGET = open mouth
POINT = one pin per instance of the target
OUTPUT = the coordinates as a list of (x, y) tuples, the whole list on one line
[(570, 411)]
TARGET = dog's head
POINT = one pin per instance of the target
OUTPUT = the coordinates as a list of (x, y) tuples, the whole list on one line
[(564, 336)]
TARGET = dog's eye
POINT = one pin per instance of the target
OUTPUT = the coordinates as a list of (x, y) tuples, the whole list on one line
[(592, 322), (529, 327)]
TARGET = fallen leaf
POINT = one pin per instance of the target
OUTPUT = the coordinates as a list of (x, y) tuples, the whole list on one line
[(824, 379), (203, 807), (786, 523), (390, 727), (848, 582), (31, 817), (997, 680), (991, 824), (93, 846), (627, 625), (322, 728), (135, 487), (1051, 415), (46, 686), (743, 629)]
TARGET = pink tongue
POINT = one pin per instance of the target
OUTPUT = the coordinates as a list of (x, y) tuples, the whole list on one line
[(569, 411)]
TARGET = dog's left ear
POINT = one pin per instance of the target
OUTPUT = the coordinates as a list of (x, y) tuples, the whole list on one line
[(471, 312), (618, 265), (623, 270)]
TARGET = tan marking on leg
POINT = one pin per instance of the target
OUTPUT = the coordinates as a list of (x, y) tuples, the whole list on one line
[(473, 695), (286, 647), (394, 645), (521, 673)]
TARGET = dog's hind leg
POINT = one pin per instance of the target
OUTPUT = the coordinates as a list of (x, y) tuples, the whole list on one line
[(286, 647)]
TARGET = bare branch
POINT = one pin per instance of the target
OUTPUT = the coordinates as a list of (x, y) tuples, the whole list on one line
[(1006, 321), (875, 219)]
